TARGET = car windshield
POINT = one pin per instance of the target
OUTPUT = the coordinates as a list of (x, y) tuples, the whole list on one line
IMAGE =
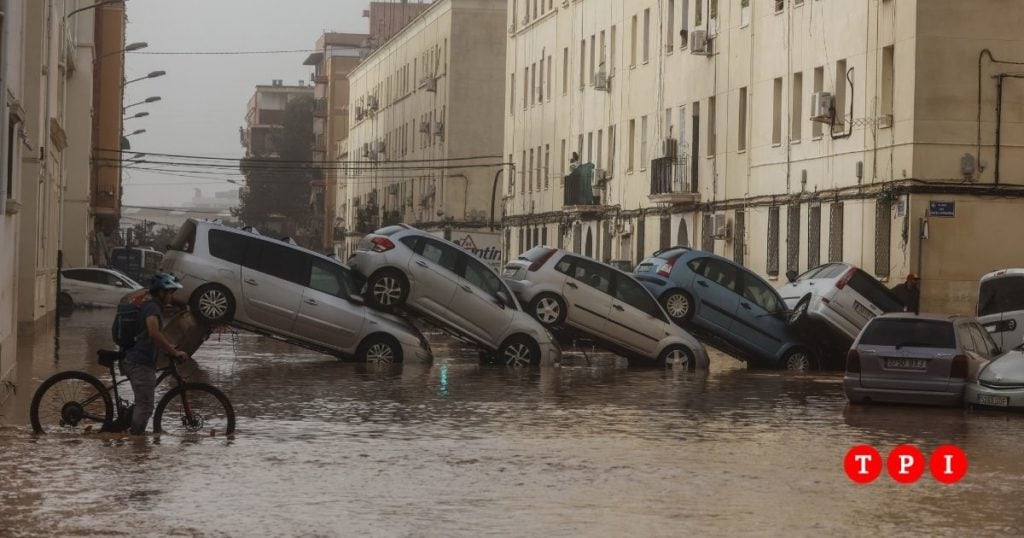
[(906, 332), (1000, 295), (874, 291), (831, 270)]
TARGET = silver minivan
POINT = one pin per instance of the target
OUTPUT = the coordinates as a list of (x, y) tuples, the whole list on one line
[(276, 288), (1001, 306)]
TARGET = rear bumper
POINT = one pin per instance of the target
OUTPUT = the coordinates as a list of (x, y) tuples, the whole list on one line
[(1015, 397), (858, 394)]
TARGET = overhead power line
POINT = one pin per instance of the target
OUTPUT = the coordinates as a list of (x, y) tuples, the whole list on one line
[(250, 160)]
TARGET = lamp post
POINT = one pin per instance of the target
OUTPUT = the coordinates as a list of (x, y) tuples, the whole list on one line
[(153, 99), (139, 115), (135, 132), (153, 74)]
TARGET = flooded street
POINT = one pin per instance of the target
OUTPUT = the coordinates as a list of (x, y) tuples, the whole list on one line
[(326, 448)]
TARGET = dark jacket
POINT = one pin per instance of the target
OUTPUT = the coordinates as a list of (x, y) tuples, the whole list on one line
[(910, 297)]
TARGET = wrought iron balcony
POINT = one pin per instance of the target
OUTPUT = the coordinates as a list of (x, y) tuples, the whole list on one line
[(670, 181)]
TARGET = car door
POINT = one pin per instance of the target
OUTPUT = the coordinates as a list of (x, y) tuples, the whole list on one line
[(93, 287), (435, 276), (327, 316), (587, 294), (635, 321), (274, 276), (758, 326), (112, 289), (714, 291), (476, 302)]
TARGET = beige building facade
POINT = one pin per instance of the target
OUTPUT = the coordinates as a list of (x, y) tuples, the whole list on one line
[(425, 136), (779, 133)]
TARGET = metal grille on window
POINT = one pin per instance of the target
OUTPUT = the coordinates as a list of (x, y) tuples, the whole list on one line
[(772, 267), (739, 238), (793, 238), (666, 232), (641, 222), (883, 235), (707, 233), (814, 236), (835, 233)]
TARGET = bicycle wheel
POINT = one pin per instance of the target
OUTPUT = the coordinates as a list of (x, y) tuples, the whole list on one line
[(194, 408), (72, 402)]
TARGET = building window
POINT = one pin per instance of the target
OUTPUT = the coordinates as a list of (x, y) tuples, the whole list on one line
[(707, 233), (883, 235), (797, 112), (739, 239), (511, 177), (698, 13), (772, 265), (526, 87), (777, 112), (533, 84), (540, 86), (603, 58), (530, 182), (544, 235), (600, 144), (522, 177), (522, 244), (592, 58), (670, 29), (564, 159), (744, 13), (888, 80), (840, 100), (613, 46), (819, 81), (590, 147), (835, 233), (647, 35), (583, 61), (793, 238), (814, 236), (780, 5), (549, 78), (540, 170), (547, 165), (565, 70), (630, 160), (712, 135), (741, 130), (684, 23), (632, 42), (643, 143), (512, 94), (611, 149)]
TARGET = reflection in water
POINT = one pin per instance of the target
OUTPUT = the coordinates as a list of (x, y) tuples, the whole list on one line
[(453, 448)]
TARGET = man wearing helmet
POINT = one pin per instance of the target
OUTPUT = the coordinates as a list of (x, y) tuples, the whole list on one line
[(140, 360)]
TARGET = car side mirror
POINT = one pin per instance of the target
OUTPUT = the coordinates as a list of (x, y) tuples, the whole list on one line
[(791, 276)]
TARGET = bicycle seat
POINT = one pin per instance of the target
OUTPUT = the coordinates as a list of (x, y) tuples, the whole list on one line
[(107, 358)]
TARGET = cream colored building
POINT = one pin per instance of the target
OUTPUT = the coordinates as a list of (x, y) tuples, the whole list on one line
[(697, 116), (425, 136), (77, 220)]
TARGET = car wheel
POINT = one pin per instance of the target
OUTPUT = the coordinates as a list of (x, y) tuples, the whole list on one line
[(213, 303), (549, 309), (677, 356), (380, 350), (679, 306), (798, 360), (387, 289), (799, 313), (519, 352), (65, 304)]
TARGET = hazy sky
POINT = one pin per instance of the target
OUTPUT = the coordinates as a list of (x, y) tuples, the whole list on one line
[(204, 97)]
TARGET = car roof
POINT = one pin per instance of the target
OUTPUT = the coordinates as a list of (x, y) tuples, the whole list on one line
[(222, 226), (1003, 273)]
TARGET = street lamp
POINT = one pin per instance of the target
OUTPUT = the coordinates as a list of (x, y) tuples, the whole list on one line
[(135, 132), (153, 74), (94, 6), (153, 99), (139, 115), (131, 47)]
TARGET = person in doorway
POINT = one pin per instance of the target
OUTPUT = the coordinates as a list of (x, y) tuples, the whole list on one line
[(140, 360), (909, 293)]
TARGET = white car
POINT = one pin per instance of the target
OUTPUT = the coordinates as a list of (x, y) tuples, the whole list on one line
[(1001, 306), (1000, 383), (95, 286), (841, 296)]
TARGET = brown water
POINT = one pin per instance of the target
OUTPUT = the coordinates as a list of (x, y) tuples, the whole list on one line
[(452, 449)]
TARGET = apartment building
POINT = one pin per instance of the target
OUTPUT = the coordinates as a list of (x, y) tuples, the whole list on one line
[(425, 139), (388, 18), (265, 114), (780, 133)]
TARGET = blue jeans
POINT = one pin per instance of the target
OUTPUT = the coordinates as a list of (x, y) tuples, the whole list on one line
[(143, 380)]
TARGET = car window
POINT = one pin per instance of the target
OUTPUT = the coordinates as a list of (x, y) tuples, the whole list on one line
[(983, 341), (875, 292), (227, 246), (76, 274), (759, 293), (593, 274), (110, 279), (278, 260), (329, 278), (697, 265), (905, 332), (632, 293), (720, 272), (963, 333), (411, 241), (565, 265), (482, 277), (441, 254), (1001, 295), (832, 270), (185, 241)]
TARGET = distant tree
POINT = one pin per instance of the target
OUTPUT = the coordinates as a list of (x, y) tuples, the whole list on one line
[(278, 188)]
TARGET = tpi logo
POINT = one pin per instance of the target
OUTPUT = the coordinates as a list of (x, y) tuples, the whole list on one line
[(905, 464)]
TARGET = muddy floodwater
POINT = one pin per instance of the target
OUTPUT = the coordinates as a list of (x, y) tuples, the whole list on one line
[(325, 448)]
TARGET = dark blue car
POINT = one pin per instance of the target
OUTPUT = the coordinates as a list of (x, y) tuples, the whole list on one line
[(726, 300)]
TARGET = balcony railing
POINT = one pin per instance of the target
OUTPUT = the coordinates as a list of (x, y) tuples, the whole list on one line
[(670, 181)]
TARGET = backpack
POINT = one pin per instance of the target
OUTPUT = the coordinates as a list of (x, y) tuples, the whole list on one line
[(127, 325)]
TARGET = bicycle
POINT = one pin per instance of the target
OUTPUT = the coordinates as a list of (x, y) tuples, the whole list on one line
[(75, 401)]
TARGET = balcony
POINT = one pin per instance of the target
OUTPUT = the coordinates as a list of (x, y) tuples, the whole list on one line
[(670, 182), (579, 195), (320, 107)]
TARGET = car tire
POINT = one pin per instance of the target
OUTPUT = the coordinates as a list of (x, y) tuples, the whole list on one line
[(65, 305), (549, 309), (519, 351), (379, 349), (387, 289), (798, 359), (213, 303), (679, 306), (799, 314), (676, 353)]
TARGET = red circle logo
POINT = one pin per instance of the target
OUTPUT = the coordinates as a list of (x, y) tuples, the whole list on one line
[(948, 464), (862, 464), (905, 464)]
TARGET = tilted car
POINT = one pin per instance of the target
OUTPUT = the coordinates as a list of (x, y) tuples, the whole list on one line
[(95, 286), (720, 297), (1001, 306), (1000, 383), (277, 288), (921, 359), (408, 268), (841, 296), (561, 288)]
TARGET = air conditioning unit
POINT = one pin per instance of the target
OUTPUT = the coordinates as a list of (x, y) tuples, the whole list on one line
[(371, 102), (379, 147), (438, 128), (430, 83), (821, 107), (671, 148), (425, 127), (699, 43), (721, 227), (366, 149), (602, 82), (627, 228)]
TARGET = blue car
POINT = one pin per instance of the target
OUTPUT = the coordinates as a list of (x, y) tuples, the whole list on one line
[(719, 297)]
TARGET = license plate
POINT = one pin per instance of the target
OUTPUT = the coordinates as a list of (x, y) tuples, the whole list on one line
[(998, 401), (906, 364), (863, 310), (644, 268)]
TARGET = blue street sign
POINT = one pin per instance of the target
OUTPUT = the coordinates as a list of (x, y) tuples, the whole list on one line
[(941, 209)]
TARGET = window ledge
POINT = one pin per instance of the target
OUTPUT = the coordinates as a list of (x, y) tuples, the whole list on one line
[(776, 144), (794, 142), (741, 151), (816, 138), (772, 278)]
